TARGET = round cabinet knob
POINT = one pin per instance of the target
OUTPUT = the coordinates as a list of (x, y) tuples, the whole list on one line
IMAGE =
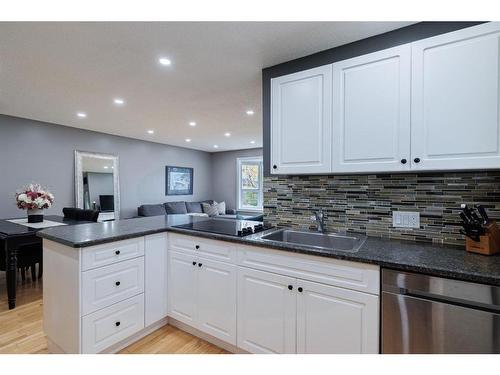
[(117, 283), (117, 252), (197, 247), (300, 289), (194, 263), (199, 264), (275, 167), (290, 287), (117, 324), (403, 161), (416, 160)]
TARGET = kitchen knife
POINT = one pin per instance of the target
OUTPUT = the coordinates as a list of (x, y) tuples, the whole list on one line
[(466, 210), (475, 217), (483, 214), (465, 218)]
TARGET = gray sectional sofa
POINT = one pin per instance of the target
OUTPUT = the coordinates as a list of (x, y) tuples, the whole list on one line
[(185, 208)]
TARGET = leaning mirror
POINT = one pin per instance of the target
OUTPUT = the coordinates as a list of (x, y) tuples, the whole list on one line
[(97, 184)]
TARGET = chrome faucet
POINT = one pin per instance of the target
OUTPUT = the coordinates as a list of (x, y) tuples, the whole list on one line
[(319, 217)]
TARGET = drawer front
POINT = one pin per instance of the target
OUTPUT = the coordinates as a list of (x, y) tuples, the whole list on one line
[(209, 249), (351, 275), (102, 255), (113, 324), (104, 286)]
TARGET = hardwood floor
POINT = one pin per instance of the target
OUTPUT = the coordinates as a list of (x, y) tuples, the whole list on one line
[(26, 291), (21, 329)]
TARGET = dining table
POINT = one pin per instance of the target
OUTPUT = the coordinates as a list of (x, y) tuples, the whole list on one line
[(15, 234)]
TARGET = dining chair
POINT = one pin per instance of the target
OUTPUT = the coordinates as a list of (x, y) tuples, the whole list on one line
[(80, 214)]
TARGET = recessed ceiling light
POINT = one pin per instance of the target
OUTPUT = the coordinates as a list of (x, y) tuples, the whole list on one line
[(106, 167), (252, 142), (81, 114), (151, 131), (164, 61), (216, 146), (227, 134), (188, 139), (250, 112), (119, 101), (192, 123)]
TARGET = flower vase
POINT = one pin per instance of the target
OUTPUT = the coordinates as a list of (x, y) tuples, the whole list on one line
[(35, 216)]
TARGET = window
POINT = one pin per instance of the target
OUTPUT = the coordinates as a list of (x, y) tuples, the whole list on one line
[(250, 182)]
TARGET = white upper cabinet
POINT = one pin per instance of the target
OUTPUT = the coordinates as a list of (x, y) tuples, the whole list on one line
[(301, 122), (455, 100), (371, 112), (429, 105)]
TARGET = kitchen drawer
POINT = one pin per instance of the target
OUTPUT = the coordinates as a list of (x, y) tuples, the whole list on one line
[(209, 249), (109, 253), (351, 275), (113, 324), (104, 286)]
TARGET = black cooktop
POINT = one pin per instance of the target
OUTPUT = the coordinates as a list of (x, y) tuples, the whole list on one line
[(236, 228)]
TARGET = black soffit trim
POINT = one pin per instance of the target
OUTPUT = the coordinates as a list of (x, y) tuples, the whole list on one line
[(374, 43)]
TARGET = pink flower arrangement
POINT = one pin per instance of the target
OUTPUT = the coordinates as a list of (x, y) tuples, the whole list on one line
[(34, 197)]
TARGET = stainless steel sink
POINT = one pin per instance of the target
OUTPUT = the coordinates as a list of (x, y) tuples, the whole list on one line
[(326, 241)]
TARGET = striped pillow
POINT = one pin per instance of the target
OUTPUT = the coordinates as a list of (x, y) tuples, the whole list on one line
[(210, 209)]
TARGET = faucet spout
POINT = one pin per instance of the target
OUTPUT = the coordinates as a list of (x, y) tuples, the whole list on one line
[(319, 217)]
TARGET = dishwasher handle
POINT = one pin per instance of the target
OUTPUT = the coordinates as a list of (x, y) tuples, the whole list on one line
[(462, 293)]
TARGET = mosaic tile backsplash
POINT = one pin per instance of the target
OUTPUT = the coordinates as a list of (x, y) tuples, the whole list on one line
[(364, 203)]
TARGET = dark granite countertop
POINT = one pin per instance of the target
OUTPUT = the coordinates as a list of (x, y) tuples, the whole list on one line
[(425, 258)]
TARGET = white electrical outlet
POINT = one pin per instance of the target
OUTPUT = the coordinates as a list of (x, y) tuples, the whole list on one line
[(405, 219)]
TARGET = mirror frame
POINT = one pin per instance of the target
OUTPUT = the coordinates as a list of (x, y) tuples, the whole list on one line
[(79, 180)]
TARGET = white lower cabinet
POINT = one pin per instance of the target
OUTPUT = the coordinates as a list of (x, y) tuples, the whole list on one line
[(279, 314), (270, 301), (103, 298), (335, 320), (108, 326), (266, 312), (216, 290), (182, 287), (202, 294)]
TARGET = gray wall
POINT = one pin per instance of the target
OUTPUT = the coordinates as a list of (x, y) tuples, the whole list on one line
[(32, 151), (224, 174)]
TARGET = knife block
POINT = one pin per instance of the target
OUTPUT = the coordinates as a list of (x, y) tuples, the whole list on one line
[(488, 244)]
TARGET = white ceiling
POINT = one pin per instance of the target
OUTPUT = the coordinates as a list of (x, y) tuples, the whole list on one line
[(50, 71)]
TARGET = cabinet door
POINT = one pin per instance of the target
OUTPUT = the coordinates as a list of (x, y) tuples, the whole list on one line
[(266, 312), (336, 320), (217, 299), (301, 122), (371, 112), (155, 277), (182, 277), (455, 100)]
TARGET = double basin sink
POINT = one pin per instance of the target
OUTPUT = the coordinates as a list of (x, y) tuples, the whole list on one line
[(324, 241)]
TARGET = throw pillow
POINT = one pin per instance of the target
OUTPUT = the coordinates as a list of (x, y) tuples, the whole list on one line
[(222, 208), (176, 208), (210, 209), (194, 207)]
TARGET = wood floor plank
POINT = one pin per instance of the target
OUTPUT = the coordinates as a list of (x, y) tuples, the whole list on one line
[(21, 332)]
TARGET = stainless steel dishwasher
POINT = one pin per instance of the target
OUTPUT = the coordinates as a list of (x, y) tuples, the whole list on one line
[(426, 314)]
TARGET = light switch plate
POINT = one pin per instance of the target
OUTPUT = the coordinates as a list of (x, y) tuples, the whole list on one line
[(405, 219)]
